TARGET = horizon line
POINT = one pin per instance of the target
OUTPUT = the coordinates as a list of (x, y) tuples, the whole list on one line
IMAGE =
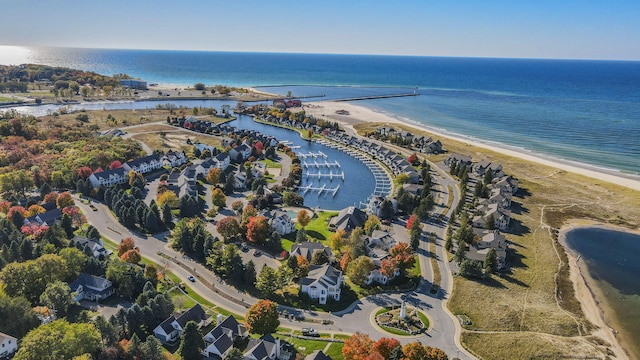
[(320, 53)]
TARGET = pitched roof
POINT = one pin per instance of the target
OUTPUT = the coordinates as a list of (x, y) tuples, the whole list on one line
[(349, 218), (326, 274), (106, 173), (307, 249), (317, 355), (142, 160), (196, 313)]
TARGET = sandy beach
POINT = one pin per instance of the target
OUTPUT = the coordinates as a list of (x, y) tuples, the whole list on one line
[(358, 114), (587, 292)]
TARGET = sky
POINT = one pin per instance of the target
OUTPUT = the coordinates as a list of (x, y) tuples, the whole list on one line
[(581, 29)]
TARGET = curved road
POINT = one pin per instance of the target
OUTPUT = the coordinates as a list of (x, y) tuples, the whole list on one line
[(445, 331)]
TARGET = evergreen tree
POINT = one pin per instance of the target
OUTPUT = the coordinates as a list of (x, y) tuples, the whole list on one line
[(490, 262), (135, 347), (191, 342), (167, 216), (151, 222), (249, 275), (152, 349), (45, 189), (66, 223)]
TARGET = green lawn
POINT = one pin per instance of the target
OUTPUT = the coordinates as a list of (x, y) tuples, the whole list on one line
[(335, 351), (287, 244), (318, 227), (304, 346), (272, 164)]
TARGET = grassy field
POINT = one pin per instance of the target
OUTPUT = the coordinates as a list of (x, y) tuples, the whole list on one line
[(522, 304), (335, 351), (175, 140), (318, 227)]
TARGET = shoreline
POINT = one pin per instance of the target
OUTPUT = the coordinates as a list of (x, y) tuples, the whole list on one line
[(362, 114), (593, 302)]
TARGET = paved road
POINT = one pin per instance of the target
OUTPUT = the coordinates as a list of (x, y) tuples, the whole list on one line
[(446, 330)]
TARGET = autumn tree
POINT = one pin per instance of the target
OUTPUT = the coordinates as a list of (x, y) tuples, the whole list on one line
[(345, 260), (258, 229), (218, 198), (131, 256), (262, 317), (125, 245), (167, 197), (388, 267), (64, 200), (403, 255), (413, 159), (385, 346), (303, 218), (337, 240), (302, 267), (357, 347), (228, 227), (359, 269), (213, 176), (84, 172), (237, 206), (34, 210), (372, 223)]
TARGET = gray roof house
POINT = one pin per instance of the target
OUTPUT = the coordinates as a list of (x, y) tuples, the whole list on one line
[(348, 219), (322, 282), (219, 341), (317, 355), (169, 330), (308, 249), (93, 288), (265, 348)]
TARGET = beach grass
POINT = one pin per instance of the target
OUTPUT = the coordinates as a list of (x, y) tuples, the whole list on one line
[(523, 302)]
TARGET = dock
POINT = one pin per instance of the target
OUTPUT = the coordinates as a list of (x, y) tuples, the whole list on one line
[(373, 97)]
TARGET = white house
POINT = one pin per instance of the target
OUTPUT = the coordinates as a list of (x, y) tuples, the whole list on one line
[(219, 341), (378, 246), (280, 221), (174, 158), (96, 246), (205, 166), (323, 282), (223, 160), (169, 330), (144, 165), (109, 177), (92, 288), (8, 345)]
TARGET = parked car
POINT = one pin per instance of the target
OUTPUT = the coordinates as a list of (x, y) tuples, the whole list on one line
[(257, 253), (310, 332), (191, 278)]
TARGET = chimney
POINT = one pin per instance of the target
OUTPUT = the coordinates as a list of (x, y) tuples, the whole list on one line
[(218, 319)]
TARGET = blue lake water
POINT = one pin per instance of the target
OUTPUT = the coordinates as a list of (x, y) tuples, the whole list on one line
[(611, 258), (584, 111), (358, 183)]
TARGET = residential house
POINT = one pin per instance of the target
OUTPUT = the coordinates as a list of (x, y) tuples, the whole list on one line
[(185, 182), (219, 341), (322, 282), (203, 167), (107, 178), (413, 189), (433, 147), (92, 288), (280, 221), (308, 250), (8, 345), (459, 159), (174, 158), (242, 149), (240, 180), (144, 165), (501, 217), (348, 219), (491, 239), (47, 218), (265, 348), (223, 160), (378, 246), (169, 330), (95, 246)]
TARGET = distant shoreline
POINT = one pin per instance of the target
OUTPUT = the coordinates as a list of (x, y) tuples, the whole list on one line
[(359, 114)]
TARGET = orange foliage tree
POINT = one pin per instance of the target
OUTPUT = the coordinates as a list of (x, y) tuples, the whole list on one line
[(131, 256), (385, 346), (303, 218), (403, 255), (125, 245), (357, 347), (64, 200), (258, 229)]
